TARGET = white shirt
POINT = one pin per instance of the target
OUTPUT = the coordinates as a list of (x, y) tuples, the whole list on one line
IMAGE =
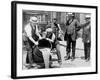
[(52, 38), (28, 30)]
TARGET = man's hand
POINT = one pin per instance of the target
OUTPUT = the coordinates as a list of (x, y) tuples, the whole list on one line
[(88, 41), (36, 43), (40, 37)]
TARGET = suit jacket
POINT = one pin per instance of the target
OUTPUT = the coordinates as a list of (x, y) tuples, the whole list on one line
[(72, 28)]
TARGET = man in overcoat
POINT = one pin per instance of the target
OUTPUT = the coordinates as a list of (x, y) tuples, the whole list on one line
[(87, 38)]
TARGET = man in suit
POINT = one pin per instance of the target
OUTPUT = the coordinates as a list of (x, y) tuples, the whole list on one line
[(56, 29), (87, 38), (71, 35)]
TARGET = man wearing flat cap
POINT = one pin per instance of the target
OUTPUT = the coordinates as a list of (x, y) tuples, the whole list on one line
[(87, 38)]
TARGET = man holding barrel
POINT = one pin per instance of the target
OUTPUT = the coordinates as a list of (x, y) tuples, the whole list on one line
[(32, 33)]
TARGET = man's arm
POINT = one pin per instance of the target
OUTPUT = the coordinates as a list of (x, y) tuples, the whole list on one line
[(52, 39), (59, 27), (80, 26), (37, 32), (36, 43), (85, 24), (77, 25), (28, 32)]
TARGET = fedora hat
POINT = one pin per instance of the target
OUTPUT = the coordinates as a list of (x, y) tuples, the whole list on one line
[(33, 19), (87, 16)]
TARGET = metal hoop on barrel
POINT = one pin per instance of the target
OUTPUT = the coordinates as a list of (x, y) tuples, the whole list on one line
[(44, 43)]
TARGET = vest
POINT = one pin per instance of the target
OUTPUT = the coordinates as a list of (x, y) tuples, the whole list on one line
[(34, 36), (33, 32), (55, 28), (49, 35)]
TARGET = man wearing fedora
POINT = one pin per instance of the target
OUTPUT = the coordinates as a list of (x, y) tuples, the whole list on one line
[(87, 38), (71, 35), (32, 33)]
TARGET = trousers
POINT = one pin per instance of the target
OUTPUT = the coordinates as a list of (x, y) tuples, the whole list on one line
[(69, 43), (87, 50)]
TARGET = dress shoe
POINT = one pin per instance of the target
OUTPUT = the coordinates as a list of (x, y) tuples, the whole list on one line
[(67, 57), (72, 58), (87, 59)]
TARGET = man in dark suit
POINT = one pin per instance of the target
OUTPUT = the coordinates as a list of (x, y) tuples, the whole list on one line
[(87, 38), (71, 35), (32, 35)]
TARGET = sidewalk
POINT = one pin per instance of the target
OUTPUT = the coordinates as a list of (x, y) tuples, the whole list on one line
[(78, 62)]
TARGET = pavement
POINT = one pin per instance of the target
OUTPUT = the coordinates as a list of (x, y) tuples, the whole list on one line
[(79, 54)]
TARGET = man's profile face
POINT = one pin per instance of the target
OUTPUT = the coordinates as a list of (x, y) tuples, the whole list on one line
[(48, 33), (70, 16), (87, 19), (33, 20), (54, 21), (34, 23)]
